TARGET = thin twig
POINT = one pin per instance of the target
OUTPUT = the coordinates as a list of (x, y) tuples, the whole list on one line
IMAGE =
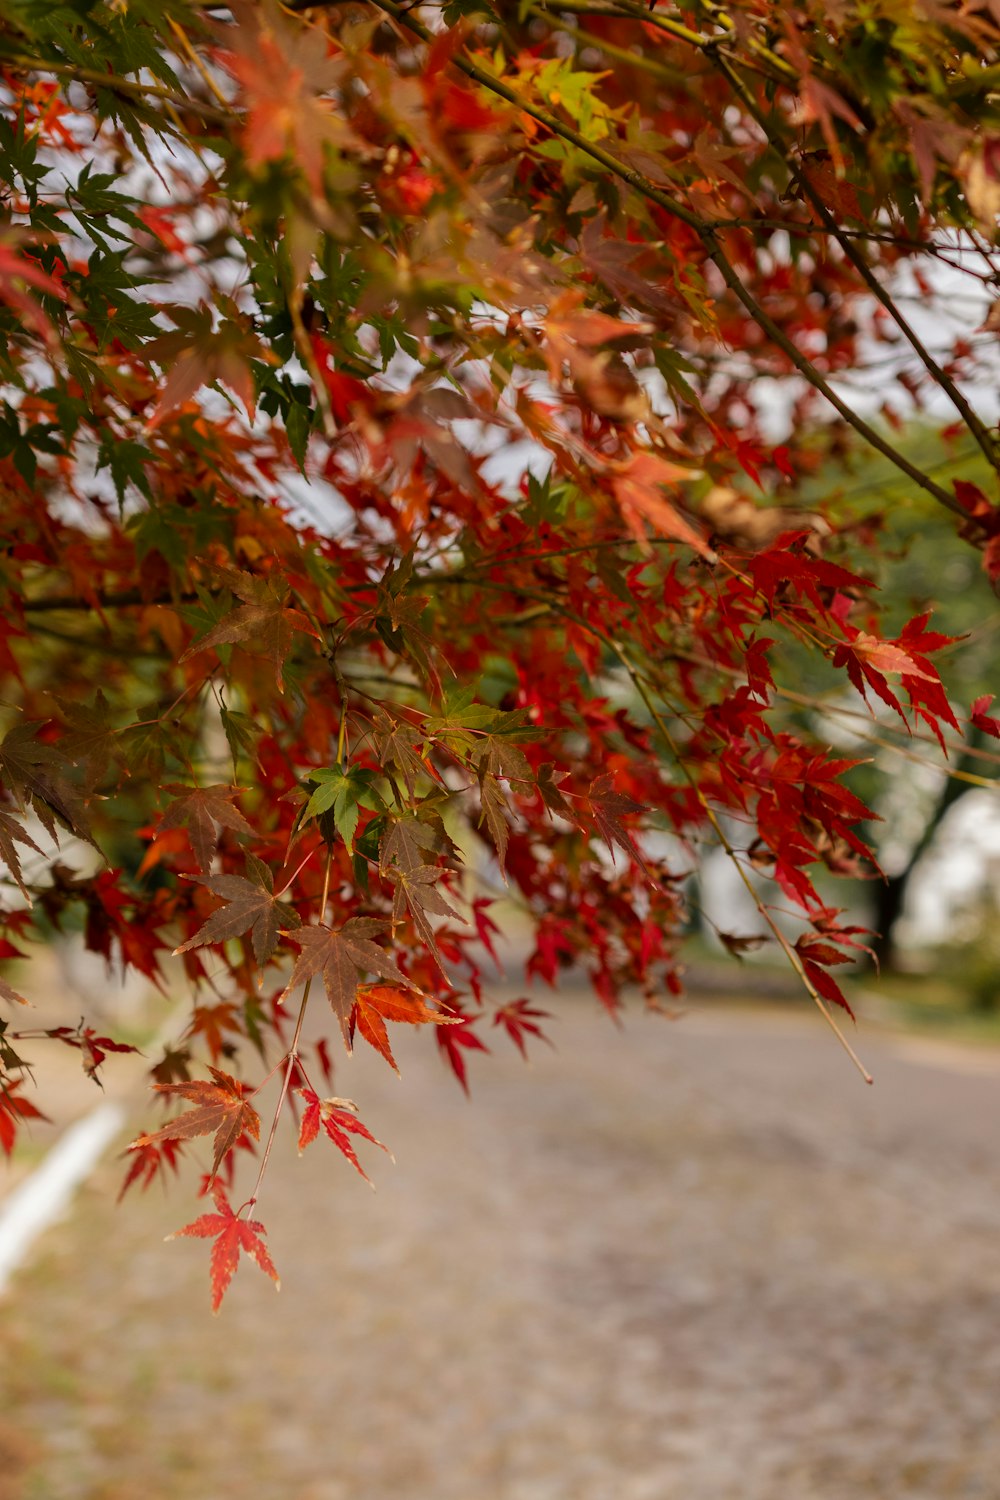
[(114, 83)]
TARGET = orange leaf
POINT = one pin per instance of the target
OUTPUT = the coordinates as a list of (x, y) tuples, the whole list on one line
[(639, 490), (377, 1003), (886, 657)]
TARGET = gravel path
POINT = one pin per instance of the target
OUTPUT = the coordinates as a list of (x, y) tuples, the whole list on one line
[(697, 1261)]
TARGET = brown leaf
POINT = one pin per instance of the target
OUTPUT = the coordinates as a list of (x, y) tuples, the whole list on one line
[(249, 905), (220, 1107), (608, 808), (342, 957), (616, 262), (737, 943), (201, 353), (33, 772), (416, 891), (399, 745), (200, 809), (11, 831), (262, 621), (494, 815)]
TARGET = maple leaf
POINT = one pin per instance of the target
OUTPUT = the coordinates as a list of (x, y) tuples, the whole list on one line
[(91, 740), (401, 861), (32, 772), (262, 621), (867, 659), (638, 486), (399, 744), (221, 1108), (547, 781), (454, 1041), (250, 904), (231, 1235), (983, 720), (616, 264), (377, 1003), (11, 832), (214, 1024), (93, 1048), (13, 1109), (404, 843), (149, 1162), (201, 810), (486, 928), (778, 567), (494, 814), (519, 1018), (200, 353), (416, 892), (341, 957), (338, 1117), (283, 74), (817, 957), (336, 799), (608, 807)]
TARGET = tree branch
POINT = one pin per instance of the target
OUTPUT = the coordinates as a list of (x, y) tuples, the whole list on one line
[(706, 233), (115, 83), (978, 429)]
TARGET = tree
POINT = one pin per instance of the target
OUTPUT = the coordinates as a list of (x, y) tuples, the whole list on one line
[(376, 377)]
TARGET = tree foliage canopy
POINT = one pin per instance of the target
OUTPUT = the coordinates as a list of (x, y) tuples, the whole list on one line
[(406, 410)]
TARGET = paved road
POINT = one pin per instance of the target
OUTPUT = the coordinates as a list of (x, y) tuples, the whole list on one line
[(695, 1261)]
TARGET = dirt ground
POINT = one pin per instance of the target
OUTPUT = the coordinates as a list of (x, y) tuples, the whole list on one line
[(693, 1261)]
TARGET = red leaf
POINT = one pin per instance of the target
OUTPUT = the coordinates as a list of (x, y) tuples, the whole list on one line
[(454, 1041), (639, 487), (827, 986), (981, 719), (14, 1109), (519, 1018), (232, 1235), (339, 1119), (148, 1162)]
